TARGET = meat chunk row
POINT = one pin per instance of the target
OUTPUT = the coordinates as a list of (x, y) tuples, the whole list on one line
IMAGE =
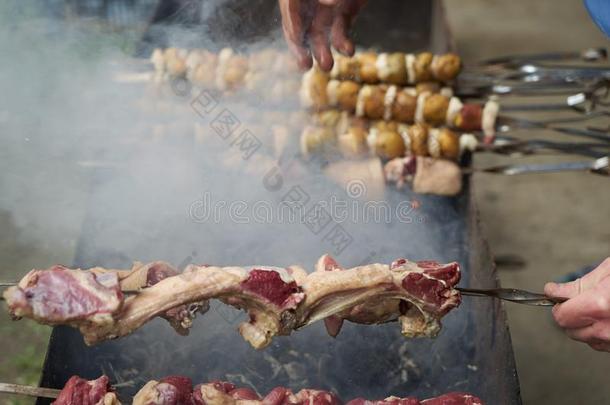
[(277, 300), (179, 390)]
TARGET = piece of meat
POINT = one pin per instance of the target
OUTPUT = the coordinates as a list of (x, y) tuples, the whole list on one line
[(59, 295), (453, 398), (470, 118), (79, 391), (146, 275), (284, 396), (178, 390), (271, 286), (437, 176), (235, 286), (313, 89), (446, 67), (143, 276), (179, 317), (400, 171), (333, 323), (224, 393), (195, 284), (387, 401), (172, 390), (277, 300), (418, 139), (270, 295), (417, 294), (425, 175)]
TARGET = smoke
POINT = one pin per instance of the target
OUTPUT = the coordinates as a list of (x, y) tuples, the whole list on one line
[(51, 79), (122, 171), (117, 166)]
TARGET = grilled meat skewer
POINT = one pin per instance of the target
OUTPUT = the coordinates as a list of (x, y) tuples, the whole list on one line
[(174, 390), (417, 294)]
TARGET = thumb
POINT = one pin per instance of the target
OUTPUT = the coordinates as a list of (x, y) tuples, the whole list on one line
[(563, 290)]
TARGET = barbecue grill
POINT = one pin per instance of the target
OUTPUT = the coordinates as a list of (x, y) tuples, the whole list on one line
[(472, 354)]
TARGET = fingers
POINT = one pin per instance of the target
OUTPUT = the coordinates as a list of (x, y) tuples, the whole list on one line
[(344, 17), (584, 309), (565, 290), (294, 33), (331, 22), (597, 336), (599, 332), (600, 346), (338, 34), (318, 35), (573, 288), (586, 315)]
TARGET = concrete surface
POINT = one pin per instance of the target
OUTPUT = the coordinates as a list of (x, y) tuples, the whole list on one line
[(557, 223)]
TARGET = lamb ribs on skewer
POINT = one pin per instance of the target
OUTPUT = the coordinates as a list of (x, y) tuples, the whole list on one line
[(179, 390), (278, 301)]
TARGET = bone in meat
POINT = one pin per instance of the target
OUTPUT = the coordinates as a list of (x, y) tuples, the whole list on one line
[(179, 390), (79, 391), (418, 294), (277, 300), (59, 295)]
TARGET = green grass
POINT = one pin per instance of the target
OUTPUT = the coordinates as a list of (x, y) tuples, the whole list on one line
[(23, 35), (24, 346)]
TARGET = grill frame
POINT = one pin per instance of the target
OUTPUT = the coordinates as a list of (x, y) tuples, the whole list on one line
[(485, 342)]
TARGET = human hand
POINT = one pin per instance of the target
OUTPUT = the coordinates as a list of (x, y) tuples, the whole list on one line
[(586, 315), (310, 26)]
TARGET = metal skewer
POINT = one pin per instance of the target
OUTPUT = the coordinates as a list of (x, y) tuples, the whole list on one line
[(527, 78), (28, 390), (588, 54), (513, 295), (507, 145), (598, 166), (507, 123)]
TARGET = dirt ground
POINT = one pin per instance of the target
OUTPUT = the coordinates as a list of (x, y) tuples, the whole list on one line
[(556, 222)]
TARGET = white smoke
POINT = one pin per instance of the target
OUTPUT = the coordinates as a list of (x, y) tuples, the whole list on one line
[(79, 148)]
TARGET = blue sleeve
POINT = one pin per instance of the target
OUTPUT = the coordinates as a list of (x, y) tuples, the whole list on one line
[(600, 12)]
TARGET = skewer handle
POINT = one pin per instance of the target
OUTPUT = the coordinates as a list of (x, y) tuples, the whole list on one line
[(514, 295), (29, 390)]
